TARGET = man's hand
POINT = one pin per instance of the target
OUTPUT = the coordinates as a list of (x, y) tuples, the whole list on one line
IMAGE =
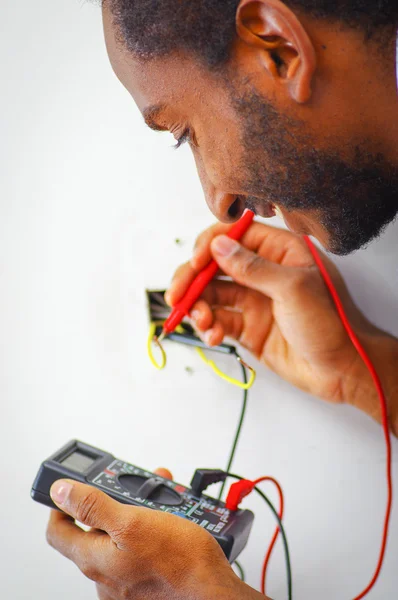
[(138, 553), (278, 307)]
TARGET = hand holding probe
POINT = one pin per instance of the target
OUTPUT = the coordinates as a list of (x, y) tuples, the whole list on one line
[(202, 280)]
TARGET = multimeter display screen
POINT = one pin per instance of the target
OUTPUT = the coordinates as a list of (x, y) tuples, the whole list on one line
[(77, 461)]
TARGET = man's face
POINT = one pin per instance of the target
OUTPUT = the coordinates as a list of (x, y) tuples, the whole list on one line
[(256, 149)]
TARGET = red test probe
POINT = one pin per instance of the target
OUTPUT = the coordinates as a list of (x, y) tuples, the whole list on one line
[(202, 280)]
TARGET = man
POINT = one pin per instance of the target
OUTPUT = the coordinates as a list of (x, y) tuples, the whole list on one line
[(289, 106)]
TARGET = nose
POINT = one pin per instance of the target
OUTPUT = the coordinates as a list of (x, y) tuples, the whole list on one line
[(228, 208)]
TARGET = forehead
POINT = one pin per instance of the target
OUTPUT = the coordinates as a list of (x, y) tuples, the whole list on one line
[(174, 80)]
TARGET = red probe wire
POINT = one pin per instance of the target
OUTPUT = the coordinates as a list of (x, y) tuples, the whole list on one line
[(383, 403), (277, 531), (241, 489)]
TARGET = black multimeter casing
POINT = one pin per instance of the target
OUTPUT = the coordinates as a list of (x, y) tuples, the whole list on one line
[(132, 485)]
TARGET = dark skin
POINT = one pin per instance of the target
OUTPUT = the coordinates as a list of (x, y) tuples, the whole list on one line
[(186, 95), (276, 293)]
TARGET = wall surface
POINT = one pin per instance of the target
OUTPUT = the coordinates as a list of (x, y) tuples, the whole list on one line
[(90, 205)]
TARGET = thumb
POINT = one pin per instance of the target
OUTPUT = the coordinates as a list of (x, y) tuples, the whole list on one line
[(248, 268), (86, 504)]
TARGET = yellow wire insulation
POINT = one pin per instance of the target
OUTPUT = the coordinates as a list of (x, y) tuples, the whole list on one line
[(224, 376), (150, 343), (152, 339)]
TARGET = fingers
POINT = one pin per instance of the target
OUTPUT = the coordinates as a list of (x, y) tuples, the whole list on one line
[(202, 255), (202, 315), (227, 294), (276, 245), (74, 543), (227, 323), (234, 312), (91, 551), (182, 279), (211, 316), (215, 335), (248, 268), (250, 333), (164, 473), (87, 505)]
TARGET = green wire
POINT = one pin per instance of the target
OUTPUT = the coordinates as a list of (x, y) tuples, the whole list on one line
[(283, 534), (230, 462), (263, 496), (241, 571), (233, 451), (285, 544), (239, 428)]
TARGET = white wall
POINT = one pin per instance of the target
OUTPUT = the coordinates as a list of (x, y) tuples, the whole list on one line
[(91, 203)]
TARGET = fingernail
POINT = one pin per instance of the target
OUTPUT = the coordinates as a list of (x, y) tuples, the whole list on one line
[(224, 246), (167, 297), (60, 491), (195, 315), (207, 337)]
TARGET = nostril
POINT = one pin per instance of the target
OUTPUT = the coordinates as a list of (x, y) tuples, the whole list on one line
[(236, 209)]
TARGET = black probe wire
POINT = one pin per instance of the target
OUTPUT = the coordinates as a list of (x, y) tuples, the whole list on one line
[(283, 534)]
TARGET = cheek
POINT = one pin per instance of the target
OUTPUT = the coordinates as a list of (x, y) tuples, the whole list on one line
[(219, 137)]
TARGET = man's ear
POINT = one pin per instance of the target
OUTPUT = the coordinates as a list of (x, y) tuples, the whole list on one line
[(286, 49)]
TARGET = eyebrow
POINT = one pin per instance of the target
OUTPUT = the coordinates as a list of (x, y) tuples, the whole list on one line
[(151, 113)]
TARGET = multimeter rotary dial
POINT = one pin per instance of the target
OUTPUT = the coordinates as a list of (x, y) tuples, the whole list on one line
[(153, 488)]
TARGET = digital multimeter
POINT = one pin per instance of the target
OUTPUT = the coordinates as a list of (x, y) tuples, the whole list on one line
[(132, 485)]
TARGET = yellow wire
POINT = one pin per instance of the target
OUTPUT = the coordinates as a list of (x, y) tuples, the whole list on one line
[(239, 384), (151, 341), (208, 361)]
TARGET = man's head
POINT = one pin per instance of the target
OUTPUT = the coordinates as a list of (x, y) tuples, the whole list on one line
[(288, 105)]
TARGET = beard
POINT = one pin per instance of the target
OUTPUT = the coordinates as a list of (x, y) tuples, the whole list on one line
[(353, 200)]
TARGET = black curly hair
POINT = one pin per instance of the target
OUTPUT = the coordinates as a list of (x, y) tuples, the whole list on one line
[(206, 28)]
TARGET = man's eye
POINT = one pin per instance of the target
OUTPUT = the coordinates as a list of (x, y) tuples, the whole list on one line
[(186, 136)]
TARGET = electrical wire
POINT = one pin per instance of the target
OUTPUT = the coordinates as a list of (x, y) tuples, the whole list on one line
[(282, 532), (246, 385), (281, 498), (276, 534), (383, 403), (239, 428), (151, 340), (240, 571), (236, 439)]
